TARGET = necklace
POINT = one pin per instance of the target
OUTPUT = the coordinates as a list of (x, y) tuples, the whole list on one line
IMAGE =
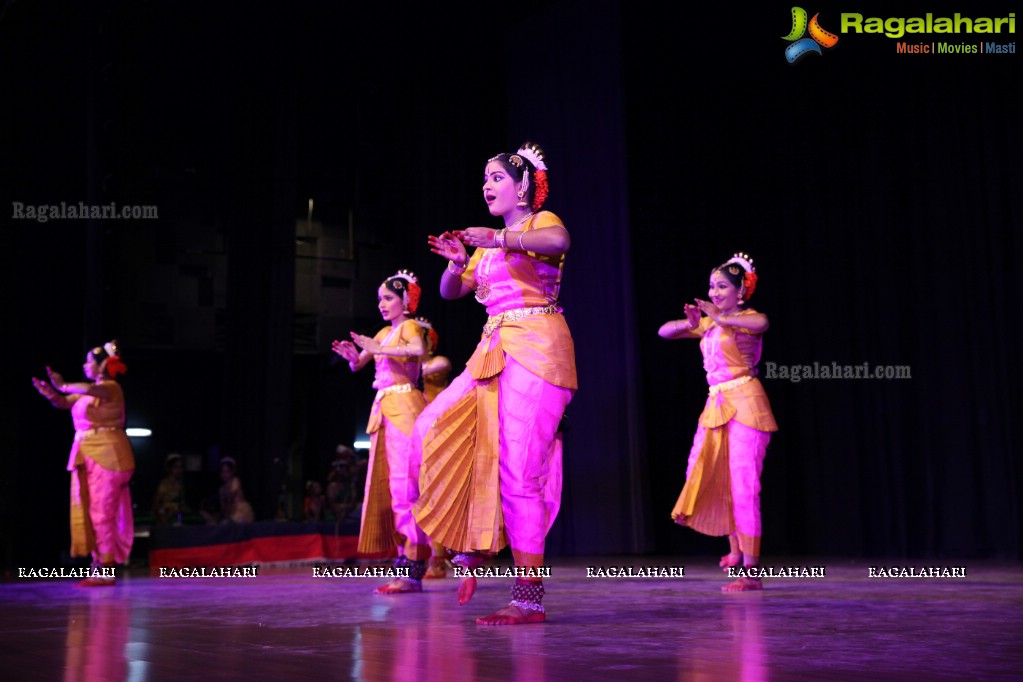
[(485, 264), (483, 275), (520, 220)]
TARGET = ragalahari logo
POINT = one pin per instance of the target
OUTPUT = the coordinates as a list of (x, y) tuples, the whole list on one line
[(802, 46)]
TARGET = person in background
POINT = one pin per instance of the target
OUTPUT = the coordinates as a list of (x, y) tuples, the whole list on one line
[(315, 501), (169, 501), (234, 508)]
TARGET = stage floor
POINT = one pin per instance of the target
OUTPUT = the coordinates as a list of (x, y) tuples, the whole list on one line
[(286, 624)]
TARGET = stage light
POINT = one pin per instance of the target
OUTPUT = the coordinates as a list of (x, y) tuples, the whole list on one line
[(138, 433)]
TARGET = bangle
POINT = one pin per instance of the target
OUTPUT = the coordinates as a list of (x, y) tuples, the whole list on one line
[(499, 238), (456, 269), (521, 248), (721, 321)]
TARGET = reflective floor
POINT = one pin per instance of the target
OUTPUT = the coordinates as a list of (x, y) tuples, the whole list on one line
[(286, 624)]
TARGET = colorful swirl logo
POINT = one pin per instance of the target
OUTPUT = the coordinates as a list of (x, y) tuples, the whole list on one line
[(802, 46)]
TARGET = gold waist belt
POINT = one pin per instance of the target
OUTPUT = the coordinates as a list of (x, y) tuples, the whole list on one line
[(729, 385), (395, 388), (82, 434), (495, 321)]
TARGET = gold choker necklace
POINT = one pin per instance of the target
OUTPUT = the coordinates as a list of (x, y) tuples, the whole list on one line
[(520, 220)]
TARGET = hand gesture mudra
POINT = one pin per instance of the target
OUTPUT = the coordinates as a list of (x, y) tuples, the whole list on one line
[(692, 315), (346, 349), (366, 343), (709, 309), (480, 237), (56, 380), (45, 389), (447, 245)]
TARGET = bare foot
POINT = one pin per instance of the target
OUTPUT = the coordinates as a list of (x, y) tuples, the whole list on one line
[(730, 560), (512, 615), (465, 564), (466, 588), (97, 581), (680, 519), (400, 586), (743, 584)]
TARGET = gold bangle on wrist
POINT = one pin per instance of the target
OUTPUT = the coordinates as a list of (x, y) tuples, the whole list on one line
[(456, 269)]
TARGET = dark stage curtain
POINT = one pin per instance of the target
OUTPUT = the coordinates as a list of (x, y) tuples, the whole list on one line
[(577, 112), (879, 195)]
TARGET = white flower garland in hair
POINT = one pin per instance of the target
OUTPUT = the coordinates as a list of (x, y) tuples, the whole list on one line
[(744, 260), (533, 156), (406, 275)]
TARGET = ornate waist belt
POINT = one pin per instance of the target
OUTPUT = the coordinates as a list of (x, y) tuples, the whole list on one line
[(729, 385), (495, 321), (395, 388), (82, 434)]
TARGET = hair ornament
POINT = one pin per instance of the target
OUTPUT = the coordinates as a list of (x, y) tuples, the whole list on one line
[(749, 280), (108, 356), (532, 153), (744, 260), (406, 283), (540, 194)]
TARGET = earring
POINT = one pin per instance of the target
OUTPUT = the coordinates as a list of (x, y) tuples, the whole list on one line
[(523, 188)]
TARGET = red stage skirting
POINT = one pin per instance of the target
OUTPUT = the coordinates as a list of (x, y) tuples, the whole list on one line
[(248, 544)]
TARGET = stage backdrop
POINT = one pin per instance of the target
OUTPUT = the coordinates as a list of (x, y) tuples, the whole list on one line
[(877, 192)]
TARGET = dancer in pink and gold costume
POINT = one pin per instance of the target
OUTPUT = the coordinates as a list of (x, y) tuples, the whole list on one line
[(392, 484), (101, 461), (721, 495), (491, 472)]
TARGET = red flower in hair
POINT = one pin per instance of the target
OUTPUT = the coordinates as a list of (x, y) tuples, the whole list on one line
[(114, 366), (750, 282), (434, 339), (414, 293), (540, 195)]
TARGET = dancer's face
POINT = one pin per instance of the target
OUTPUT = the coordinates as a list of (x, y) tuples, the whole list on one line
[(390, 304), (500, 190), (91, 368), (723, 293)]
